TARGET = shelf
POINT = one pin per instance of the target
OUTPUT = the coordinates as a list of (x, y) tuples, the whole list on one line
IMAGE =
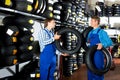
[(20, 12), (12, 11)]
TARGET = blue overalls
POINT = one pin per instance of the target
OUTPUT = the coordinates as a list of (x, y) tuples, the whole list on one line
[(48, 61), (98, 57)]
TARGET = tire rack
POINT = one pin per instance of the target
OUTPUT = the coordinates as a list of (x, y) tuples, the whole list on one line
[(12, 12), (15, 12)]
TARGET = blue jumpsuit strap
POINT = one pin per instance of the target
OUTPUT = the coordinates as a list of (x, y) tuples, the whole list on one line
[(98, 30), (47, 33)]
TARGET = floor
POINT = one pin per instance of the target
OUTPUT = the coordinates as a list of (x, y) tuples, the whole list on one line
[(80, 74)]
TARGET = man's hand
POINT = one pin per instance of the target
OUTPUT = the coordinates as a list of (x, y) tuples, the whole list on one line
[(99, 46), (65, 54), (56, 36)]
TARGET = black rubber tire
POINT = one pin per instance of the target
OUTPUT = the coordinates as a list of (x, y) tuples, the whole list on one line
[(89, 60), (10, 40), (85, 34), (74, 31), (26, 39), (24, 21), (8, 20), (23, 6), (8, 50), (12, 28), (25, 48), (57, 6), (9, 60), (36, 48), (39, 8), (25, 57)]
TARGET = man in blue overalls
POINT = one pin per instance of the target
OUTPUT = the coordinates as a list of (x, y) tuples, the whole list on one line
[(46, 38), (99, 37)]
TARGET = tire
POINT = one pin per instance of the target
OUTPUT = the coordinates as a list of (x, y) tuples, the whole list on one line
[(14, 29), (24, 6), (25, 56), (85, 34), (74, 31), (8, 20), (89, 62), (36, 48)]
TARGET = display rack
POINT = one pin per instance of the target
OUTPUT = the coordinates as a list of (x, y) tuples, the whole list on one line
[(9, 11)]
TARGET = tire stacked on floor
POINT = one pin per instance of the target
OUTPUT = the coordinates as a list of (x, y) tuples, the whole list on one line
[(80, 59), (67, 66), (75, 65)]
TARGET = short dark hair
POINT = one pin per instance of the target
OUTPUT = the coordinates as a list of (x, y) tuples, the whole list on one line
[(47, 20), (96, 18)]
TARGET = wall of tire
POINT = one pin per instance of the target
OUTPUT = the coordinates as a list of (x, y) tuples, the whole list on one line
[(16, 40)]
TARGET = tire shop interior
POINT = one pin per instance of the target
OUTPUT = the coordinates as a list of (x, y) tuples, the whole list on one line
[(19, 47)]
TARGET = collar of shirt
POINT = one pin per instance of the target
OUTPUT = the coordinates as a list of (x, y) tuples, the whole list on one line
[(95, 30)]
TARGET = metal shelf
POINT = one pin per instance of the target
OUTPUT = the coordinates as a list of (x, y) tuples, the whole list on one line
[(12, 11), (7, 11)]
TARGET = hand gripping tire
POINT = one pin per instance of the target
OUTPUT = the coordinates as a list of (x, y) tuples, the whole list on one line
[(90, 64), (79, 40)]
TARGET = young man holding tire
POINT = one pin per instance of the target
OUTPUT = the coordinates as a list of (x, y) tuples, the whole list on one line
[(98, 37), (48, 50)]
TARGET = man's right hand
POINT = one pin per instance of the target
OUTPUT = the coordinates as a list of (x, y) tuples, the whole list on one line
[(56, 36), (65, 54)]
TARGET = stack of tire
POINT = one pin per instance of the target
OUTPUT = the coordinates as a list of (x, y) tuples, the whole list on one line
[(57, 7), (48, 9), (67, 61), (116, 9), (9, 51), (72, 18), (83, 4), (71, 43), (100, 9), (24, 38), (70, 65), (80, 59), (74, 59), (109, 11), (67, 66), (38, 7), (65, 12)]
